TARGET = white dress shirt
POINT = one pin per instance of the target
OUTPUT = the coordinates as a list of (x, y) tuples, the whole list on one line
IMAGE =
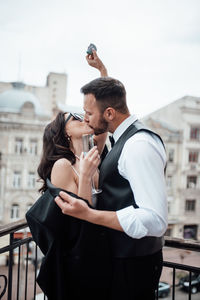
[(141, 162)]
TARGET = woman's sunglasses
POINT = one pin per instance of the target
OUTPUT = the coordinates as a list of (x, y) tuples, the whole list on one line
[(75, 116)]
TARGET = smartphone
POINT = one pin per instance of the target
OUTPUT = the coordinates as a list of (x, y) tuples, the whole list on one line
[(90, 47)]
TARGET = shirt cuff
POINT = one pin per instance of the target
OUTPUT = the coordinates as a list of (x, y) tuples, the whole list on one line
[(131, 225)]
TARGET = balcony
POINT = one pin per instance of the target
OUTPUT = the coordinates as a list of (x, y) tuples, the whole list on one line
[(20, 261)]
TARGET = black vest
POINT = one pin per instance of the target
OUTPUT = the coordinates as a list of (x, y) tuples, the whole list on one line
[(117, 194)]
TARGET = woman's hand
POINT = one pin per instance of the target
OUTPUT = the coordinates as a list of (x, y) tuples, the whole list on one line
[(95, 62), (89, 164), (87, 168)]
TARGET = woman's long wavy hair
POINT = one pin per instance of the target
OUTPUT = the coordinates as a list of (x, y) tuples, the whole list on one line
[(56, 145)]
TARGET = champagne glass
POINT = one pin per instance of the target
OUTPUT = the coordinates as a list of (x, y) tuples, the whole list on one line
[(88, 143)]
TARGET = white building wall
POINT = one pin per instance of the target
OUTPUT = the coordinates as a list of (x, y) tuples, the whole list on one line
[(24, 163), (181, 115)]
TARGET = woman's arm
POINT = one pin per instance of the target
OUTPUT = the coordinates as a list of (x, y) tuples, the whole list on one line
[(95, 62), (64, 177), (100, 141)]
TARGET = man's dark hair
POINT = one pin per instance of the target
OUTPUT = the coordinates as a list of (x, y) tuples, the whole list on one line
[(109, 92)]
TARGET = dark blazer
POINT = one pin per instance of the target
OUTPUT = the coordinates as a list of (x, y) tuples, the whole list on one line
[(56, 235)]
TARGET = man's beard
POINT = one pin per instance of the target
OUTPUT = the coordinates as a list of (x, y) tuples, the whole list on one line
[(102, 127)]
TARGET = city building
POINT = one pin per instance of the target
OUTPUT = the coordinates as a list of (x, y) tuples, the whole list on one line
[(179, 125), (24, 112), (50, 96)]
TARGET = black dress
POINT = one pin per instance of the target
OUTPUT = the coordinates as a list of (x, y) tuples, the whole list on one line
[(75, 259)]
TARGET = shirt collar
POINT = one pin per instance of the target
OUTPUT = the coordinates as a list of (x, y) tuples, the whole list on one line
[(123, 126)]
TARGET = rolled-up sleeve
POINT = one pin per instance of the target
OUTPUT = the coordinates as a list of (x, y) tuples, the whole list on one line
[(142, 163)]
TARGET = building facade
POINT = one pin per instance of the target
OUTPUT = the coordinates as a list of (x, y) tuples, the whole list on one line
[(24, 112), (179, 125), (49, 96), (22, 123)]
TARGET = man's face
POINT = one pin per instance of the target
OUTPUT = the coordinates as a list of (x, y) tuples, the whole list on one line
[(93, 115)]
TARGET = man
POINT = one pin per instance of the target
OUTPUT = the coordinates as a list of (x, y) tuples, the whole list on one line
[(132, 208)]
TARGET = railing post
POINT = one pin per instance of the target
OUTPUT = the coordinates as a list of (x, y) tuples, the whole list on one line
[(190, 279), (26, 272), (10, 268), (173, 283), (18, 271), (35, 259)]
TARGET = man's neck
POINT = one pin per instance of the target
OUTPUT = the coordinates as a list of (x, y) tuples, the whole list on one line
[(117, 121)]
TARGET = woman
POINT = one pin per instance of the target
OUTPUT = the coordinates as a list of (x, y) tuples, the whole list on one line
[(59, 237), (62, 160)]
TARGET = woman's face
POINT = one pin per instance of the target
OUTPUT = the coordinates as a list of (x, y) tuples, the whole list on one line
[(75, 128)]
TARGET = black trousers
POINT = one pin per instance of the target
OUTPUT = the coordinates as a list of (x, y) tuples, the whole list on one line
[(136, 278), (116, 279)]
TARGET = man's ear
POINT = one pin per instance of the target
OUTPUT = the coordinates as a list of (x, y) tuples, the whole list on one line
[(109, 114)]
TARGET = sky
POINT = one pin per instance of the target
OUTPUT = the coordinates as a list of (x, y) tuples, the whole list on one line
[(152, 46)]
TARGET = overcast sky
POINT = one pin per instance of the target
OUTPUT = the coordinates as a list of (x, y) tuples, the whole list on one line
[(152, 46)]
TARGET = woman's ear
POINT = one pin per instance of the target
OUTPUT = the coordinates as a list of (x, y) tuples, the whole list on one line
[(109, 114)]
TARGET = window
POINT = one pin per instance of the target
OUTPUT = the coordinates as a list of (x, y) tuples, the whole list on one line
[(33, 147), (18, 145), (191, 182), (193, 156), (14, 213), (190, 205), (16, 179), (195, 133), (31, 179), (190, 232), (171, 155)]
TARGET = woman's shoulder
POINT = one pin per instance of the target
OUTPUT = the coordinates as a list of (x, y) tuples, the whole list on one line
[(61, 173), (62, 165), (62, 162)]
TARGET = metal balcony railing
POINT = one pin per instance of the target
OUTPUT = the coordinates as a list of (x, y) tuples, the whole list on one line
[(20, 259), (20, 262)]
